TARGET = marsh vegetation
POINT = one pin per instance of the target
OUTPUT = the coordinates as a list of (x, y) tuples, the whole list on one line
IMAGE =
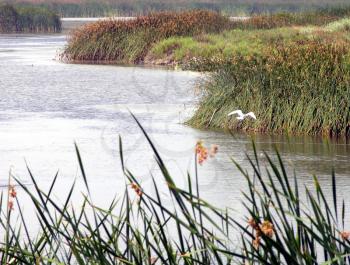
[(278, 227), (28, 19), (292, 70), (95, 8), (130, 41)]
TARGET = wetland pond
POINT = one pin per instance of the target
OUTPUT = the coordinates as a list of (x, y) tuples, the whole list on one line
[(47, 105)]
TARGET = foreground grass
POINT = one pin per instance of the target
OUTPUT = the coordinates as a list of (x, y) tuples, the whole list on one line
[(277, 228)]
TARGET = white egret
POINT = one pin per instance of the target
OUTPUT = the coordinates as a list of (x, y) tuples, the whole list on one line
[(241, 115)]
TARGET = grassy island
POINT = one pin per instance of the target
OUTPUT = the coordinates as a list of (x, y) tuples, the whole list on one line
[(130, 41), (291, 69), (295, 78), (28, 19)]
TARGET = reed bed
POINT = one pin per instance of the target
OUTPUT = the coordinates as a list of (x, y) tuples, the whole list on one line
[(129, 41), (134, 41), (28, 19), (277, 228), (296, 88)]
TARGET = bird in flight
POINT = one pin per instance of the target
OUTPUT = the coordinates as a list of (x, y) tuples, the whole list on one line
[(241, 115)]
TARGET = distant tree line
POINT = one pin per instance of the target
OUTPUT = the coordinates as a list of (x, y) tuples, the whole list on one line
[(28, 19), (96, 8)]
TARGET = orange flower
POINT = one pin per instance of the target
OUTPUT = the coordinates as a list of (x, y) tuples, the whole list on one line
[(345, 235), (10, 205), (267, 228), (136, 188), (202, 152), (252, 223), (199, 146)]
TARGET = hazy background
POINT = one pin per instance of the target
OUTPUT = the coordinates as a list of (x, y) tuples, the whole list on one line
[(96, 8)]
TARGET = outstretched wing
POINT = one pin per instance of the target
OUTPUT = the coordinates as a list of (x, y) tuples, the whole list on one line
[(238, 112), (251, 114)]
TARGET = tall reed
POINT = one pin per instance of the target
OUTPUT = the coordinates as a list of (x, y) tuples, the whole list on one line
[(279, 227)]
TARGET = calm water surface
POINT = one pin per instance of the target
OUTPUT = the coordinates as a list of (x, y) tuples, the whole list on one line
[(46, 106)]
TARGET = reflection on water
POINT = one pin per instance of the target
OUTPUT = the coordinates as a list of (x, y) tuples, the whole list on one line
[(46, 105)]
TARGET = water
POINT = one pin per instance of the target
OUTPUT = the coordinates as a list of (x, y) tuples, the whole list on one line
[(46, 106)]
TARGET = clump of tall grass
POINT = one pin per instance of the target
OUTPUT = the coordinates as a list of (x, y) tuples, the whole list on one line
[(287, 225), (278, 228), (298, 88), (129, 41)]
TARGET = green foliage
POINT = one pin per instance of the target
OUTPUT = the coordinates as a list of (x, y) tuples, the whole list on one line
[(38, 20), (8, 18), (72, 8), (141, 228), (207, 51), (339, 25), (288, 224), (28, 19)]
